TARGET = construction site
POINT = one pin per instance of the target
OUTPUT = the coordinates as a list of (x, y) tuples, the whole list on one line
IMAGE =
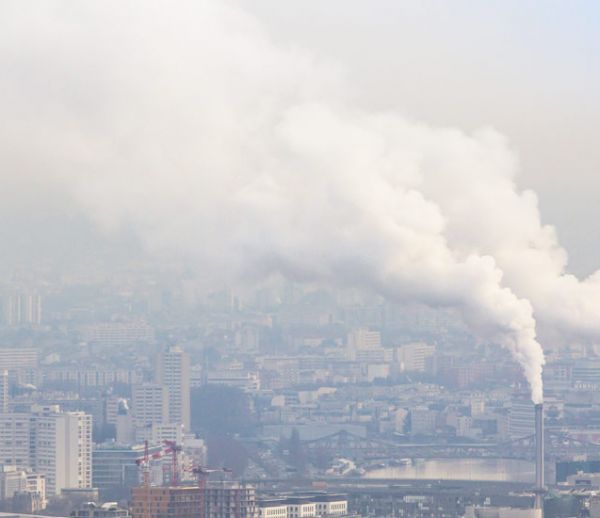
[(187, 491)]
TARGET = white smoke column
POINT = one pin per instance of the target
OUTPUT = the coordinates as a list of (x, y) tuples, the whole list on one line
[(184, 122)]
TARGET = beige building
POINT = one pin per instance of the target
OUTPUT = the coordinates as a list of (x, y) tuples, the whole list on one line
[(12, 480), (501, 512), (413, 357), (364, 338), (272, 509)]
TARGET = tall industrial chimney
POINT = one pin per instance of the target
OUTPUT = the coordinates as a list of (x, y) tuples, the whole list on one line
[(539, 456)]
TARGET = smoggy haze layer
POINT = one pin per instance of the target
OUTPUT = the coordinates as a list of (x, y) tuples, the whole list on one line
[(191, 127)]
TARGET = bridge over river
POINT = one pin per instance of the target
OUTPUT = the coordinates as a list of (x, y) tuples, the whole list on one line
[(559, 445)]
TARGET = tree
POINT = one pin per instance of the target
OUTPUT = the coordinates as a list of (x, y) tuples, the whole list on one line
[(297, 454), (221, 410), (225, 451)]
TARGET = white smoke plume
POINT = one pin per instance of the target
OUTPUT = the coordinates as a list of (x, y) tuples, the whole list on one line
[(183, 121)]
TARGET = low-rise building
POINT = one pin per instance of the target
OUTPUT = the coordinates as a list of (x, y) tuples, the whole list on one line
[(304, 506), (12, 480), (106, 510)]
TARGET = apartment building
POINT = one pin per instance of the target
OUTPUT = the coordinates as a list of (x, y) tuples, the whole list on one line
[(15, 438), (22, 308), (173, 372), (150, 403), (63, 448), (21, 363), (118, 334), (52, 443)]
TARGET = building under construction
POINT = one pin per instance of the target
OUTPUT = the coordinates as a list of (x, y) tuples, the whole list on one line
[(206, 499), (218, 499), (227, 499), (166, 502)]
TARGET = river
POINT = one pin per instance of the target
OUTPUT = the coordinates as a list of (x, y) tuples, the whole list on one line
[(507, 470)]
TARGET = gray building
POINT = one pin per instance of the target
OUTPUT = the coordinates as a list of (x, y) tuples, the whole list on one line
[(114, 468), (521, 419)]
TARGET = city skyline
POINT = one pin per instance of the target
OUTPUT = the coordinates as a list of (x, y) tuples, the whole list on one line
[(299, 259)]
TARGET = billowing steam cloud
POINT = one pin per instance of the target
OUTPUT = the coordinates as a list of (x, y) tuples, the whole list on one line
[(184, 122)]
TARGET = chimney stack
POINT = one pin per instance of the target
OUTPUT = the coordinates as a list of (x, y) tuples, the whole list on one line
[(539, 456)]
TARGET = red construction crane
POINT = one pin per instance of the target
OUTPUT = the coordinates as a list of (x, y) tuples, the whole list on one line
[(171, 447), (144, 462)]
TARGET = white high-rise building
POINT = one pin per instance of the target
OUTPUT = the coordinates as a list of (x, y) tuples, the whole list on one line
[(63, 449), (173, 371), (15, 438), (55, 444)]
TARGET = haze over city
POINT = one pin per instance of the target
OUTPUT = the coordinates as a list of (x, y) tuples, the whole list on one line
[(298, 252)]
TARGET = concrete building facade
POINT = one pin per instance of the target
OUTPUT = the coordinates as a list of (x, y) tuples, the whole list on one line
[(173, 372), (55, 444), (150, 404)]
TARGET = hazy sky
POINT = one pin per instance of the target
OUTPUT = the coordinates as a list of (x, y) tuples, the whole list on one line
[(392, 146), (527, 68)]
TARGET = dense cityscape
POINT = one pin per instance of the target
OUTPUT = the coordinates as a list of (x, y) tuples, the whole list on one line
[(316, 259), (281, 400)]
